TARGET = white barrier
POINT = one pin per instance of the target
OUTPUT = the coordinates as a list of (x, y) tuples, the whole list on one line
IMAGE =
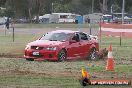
[(115, 30)]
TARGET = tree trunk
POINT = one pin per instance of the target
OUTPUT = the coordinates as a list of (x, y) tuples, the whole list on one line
[(30, 16), (105, 7), (38, 10), (37, 18)]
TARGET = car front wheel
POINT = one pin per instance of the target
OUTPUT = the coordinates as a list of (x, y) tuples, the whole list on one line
[(62, 55), (93, 54)]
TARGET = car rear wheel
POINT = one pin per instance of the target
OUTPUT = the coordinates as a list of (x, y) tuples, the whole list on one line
[(93, 54), (62, 55)]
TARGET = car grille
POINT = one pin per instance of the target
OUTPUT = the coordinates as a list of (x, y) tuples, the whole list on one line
[(37, 55), (36, 47)]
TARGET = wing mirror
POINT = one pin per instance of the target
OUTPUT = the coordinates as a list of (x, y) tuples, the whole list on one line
[(73, 41)]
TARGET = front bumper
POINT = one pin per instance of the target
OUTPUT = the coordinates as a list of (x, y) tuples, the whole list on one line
[(41, 55)]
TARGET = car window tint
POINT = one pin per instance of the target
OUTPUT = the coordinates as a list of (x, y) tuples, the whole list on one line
[(83, 36), (76, 37), (55, 36), (88, 37)]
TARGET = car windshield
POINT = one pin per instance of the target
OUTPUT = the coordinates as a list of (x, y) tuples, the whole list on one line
[(55, 36)]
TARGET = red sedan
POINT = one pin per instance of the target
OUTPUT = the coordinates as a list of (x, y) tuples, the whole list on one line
[(61, 45)]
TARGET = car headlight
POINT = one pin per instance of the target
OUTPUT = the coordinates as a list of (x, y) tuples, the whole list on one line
[(51, 48), (27, 47)]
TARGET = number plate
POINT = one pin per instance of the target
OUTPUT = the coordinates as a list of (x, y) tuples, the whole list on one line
[(36, 53)]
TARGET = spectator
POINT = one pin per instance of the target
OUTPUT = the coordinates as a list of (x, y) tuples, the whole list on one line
[(7, 23), (87, 20)]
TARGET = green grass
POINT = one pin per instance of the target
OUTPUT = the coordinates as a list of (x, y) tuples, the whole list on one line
[(125, 42), (19, 73), (17, 47), (46, 82), (39, 81), (55, 25), (119, 52), (33, 74)]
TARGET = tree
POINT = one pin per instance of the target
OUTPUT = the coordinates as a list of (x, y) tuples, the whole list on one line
[(61, 8), (80, 6), (39, 6), (128, 5), (26, 8), (64, 1), (87, 4), (2, 2), (31, 8), (19, 7)]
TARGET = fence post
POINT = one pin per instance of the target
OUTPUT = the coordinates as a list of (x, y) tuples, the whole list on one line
[(5, 29), (100, 33), (90, 29), (120, 38), (13, 34)]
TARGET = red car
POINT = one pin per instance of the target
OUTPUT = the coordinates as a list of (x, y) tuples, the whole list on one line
[(61, 45)]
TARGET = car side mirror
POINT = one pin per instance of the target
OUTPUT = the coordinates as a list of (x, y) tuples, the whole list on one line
[(73, 41)]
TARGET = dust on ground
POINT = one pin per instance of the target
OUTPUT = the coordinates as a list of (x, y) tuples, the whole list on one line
[(66, 72), (74, 74)]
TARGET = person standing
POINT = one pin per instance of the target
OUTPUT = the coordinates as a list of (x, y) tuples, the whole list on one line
[(7, 23)]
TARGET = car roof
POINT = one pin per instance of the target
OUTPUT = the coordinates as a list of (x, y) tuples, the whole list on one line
[(64, 31)]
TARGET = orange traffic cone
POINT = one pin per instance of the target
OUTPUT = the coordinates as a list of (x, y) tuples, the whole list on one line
[(85, 78), (110, 61), (85, 73)]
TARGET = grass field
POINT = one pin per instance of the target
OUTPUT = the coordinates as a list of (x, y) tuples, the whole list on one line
[(19, 73), (16, 72), (55, 25)]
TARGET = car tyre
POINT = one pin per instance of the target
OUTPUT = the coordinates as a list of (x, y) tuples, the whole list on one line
[(30, 59), (62, 55), (93, 54)]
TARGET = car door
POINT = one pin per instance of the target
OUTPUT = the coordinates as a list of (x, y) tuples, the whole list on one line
[(74, 47), (85, 44)]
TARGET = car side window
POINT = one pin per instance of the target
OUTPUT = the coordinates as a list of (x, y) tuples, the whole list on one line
[(76, 37), (83, 36), (88, 37)]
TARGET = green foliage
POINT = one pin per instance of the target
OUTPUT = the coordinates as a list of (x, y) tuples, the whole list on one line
[(1, 13), (2, 2), (31, 8), (79, 8), (128, 5), (19, 7), (87, 3), (57, 7), (9, 13), (6, 12), (64, 1)]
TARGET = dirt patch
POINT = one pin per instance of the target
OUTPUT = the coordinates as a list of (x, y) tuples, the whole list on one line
[(124, 61), (75, 74), (9, 55), (101, 54)]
